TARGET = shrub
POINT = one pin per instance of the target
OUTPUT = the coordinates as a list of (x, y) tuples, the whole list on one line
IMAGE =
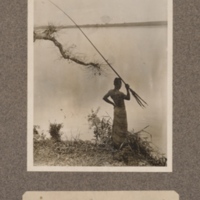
[(54, 130), (101, 127), (35, 129)]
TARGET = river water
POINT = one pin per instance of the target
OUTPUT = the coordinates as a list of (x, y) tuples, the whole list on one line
[(65, 92)]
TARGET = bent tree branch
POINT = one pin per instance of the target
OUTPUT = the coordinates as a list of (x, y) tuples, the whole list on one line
[(65, 54)]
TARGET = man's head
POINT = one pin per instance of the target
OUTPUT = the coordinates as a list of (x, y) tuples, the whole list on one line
[(117, 83)]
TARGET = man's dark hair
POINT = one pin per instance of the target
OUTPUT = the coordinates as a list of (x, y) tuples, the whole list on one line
[(117, 81)]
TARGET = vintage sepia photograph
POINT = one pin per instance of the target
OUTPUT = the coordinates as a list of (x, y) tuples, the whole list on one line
[(100, 85), (98, 195)]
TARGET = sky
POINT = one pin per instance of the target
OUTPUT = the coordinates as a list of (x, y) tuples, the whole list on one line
[(65, 92), (104, 11)]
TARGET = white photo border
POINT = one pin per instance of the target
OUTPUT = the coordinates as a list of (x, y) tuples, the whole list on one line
[(30, 62)]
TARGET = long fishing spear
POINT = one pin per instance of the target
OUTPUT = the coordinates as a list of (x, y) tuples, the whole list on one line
[(139, 100)]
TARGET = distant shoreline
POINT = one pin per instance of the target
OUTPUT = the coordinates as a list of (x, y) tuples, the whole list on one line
[(131, 24)]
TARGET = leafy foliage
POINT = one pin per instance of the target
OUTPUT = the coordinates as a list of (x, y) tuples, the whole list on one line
[(102, 128), (54, 130), (35, 129)]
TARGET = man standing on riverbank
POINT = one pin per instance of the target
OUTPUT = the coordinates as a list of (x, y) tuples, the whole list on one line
[(120, 125)]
